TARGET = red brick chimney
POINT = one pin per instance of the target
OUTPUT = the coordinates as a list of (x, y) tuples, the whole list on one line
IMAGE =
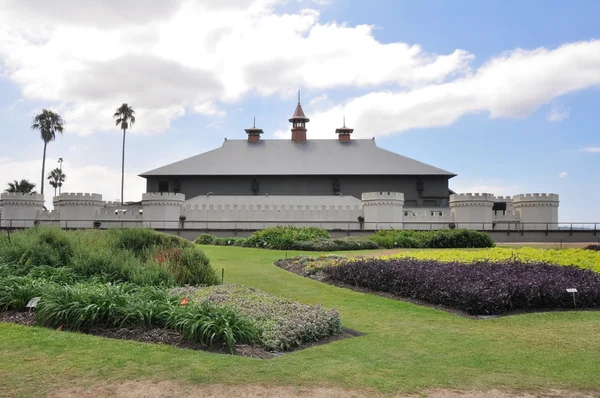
[(254, 133), (344, 133), (299, 121)]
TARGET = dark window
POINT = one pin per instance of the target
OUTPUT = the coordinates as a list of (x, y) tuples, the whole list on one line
[(410, 203), (429, 203), (163, 186), (176, 186)]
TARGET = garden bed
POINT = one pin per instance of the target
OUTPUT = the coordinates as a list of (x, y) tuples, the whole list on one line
[(480, 289), (174, 338)]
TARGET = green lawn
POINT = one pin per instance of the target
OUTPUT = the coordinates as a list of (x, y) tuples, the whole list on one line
[(405, 347)]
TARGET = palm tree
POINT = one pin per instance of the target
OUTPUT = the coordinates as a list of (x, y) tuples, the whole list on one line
[(125, 119), (56, 177), (23, 186), (49, 123)]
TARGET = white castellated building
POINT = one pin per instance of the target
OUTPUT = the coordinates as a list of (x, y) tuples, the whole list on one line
[(375, 210)]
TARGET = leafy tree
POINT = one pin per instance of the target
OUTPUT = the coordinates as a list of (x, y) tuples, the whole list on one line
[(48, 123), (23, 186), (125, 119), (56, 177)]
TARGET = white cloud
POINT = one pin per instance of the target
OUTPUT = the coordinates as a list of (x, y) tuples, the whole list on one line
[(168, 58), (558, 115), (563, 174), (591, 149), (498, 188), (209, 109), (88, 178), (165, 58), (513, 85), (320, 98)]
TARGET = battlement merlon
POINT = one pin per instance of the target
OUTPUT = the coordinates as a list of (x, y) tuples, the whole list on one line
[(536, 197), (83, 197), (163, 196), (387, 196), (503, 199), (472, 197), (19, 196)]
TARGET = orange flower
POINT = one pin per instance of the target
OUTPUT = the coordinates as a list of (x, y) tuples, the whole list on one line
[(184, 302)]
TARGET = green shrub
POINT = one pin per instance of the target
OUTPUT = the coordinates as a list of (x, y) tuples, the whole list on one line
[(446, 239), (284, 237), (336, 244), (50, 246), (205, 239), (122, 266), (140, 240), (206, 323), (192, 267)]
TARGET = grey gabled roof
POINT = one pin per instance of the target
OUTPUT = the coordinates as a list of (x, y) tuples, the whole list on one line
[(285, 157)]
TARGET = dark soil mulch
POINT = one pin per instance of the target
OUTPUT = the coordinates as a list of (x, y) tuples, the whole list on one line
[(173, 337)]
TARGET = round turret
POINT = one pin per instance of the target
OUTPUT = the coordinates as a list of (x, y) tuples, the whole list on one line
[(20, 209)]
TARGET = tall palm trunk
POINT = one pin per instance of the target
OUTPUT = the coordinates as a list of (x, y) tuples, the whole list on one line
[(122, 168), (43, 166)]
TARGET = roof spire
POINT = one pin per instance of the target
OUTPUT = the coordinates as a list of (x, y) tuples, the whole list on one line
[(298, 97), (344, 121), (254, 123)]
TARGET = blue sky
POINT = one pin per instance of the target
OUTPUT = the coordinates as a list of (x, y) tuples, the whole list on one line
[(504, 94)]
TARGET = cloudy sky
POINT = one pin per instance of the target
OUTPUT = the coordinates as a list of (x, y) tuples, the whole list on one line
[(505, 94)]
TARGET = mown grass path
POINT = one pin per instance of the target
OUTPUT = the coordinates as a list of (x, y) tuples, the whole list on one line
[(406, 347)]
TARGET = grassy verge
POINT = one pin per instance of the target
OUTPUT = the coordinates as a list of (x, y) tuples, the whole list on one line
[(406, 347)]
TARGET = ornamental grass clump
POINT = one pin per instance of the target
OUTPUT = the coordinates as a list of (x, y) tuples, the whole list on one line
[(140, 256), (282, 324), (482, 288)]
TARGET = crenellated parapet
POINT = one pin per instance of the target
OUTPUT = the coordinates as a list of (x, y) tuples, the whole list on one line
[(382, 210), (472, 199), (536, 199), (537, 210), (78, 199), (162, 209), (22, 199), (382, 198), (163, 198), (20, 209), (77, 210), (473, 208)]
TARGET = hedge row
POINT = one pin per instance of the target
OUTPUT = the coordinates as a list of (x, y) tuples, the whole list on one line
[(318, 239), (482, 288)]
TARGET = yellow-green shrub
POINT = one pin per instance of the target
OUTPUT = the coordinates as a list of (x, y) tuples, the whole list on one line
[(587, 259)]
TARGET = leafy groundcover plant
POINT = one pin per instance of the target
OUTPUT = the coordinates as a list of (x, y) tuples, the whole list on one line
[(482, 288), (282, 324)]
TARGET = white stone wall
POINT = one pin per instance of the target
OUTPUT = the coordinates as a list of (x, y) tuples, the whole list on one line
[(77, 210), (472, 210), (162, 209), (426, 218), (383, 210), (20, 210), (379, 210), (536, 210), (259, 211)]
